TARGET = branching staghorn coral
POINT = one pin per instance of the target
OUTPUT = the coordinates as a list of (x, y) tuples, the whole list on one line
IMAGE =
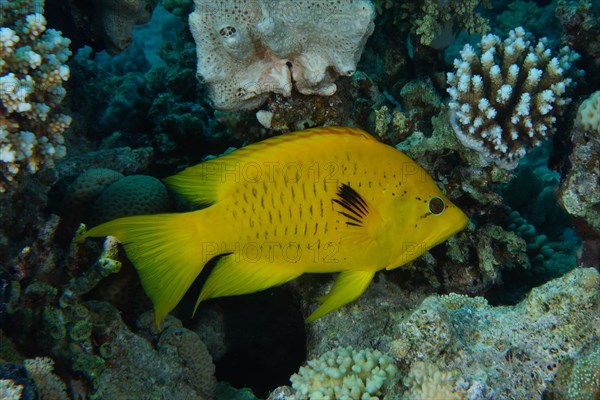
[(506, 100), (32, 71)]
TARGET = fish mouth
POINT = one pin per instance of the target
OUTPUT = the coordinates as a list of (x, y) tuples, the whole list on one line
[(455, 221)]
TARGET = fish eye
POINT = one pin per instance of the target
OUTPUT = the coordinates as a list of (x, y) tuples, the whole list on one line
[(436, 205)]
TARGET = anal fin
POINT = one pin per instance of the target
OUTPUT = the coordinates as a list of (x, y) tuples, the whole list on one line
[(348, 287), (232, 277)]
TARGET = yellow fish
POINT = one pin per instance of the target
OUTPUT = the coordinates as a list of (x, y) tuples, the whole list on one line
[(315, 201)]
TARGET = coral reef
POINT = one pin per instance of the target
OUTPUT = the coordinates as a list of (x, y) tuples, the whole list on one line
[(246, 51), (165, 107), (79, 314), (579, 193), (130, 195), (427, 381), (83, 191), (123, 160), (50, 387), (15, 383), (536, 18), (432, 22), (90, 338), (110, 23), (507, 100), (9, 390), (585, 382), (580, 20), (506, 352), (344, 373), (180, 8), (588, 114), (32, 72), (288, 114)]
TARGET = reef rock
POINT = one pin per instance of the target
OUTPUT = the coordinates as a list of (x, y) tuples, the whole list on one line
[(502, 352), (579, 193)]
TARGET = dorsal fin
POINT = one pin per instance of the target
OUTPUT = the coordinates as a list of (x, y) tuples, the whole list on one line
[(208, 182), (354, 206)]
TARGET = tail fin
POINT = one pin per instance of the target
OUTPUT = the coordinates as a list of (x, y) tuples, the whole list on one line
[(166, 251)]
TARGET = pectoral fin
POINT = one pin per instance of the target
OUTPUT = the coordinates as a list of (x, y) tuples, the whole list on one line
[(348, 287), (232, 277)]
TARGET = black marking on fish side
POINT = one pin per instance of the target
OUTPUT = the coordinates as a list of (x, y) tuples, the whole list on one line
[(354, 205)]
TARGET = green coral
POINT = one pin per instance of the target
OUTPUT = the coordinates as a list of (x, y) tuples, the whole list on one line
[(80, 331), (54, 321), (90, 365), (106, 350), (431, 19)]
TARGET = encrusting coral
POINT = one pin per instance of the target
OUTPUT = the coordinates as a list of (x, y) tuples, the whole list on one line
[(248, 50), (503, 352), (579, 193), (585, 377), (427, 382), (507, 100), (32, 72)]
